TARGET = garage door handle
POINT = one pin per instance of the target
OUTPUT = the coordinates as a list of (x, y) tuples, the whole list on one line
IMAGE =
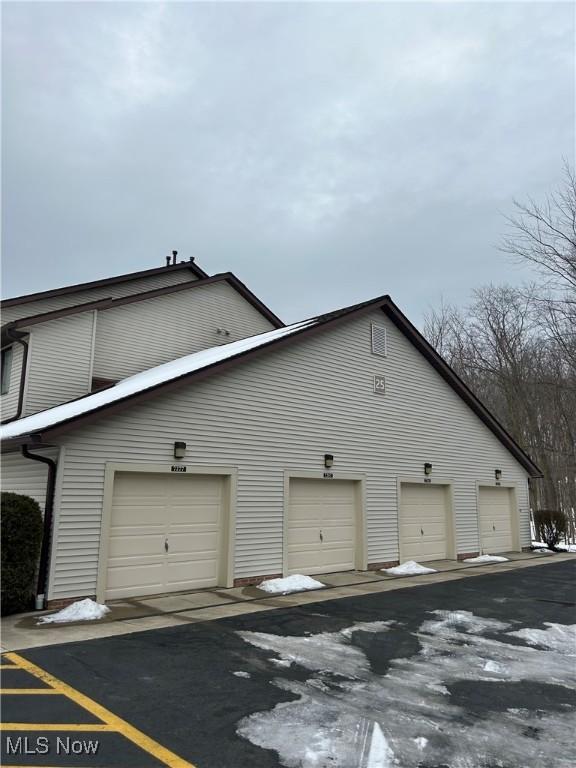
[(321, 536), (493, 527), (166, 545), (421, 531)]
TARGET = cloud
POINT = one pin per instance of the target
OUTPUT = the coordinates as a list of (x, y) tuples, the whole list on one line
[(304, 136)]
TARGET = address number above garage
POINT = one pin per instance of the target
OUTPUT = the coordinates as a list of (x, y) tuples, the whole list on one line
[(379, 384)]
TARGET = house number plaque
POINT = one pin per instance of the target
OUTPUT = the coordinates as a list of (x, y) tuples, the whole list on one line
[(177, 468), (379, 384)]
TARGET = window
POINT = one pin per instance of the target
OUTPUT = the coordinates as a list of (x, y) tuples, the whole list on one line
[(6, 369), (379, 340)]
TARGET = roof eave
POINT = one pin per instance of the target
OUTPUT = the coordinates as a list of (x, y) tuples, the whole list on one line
[(133, 298), (29, 297)]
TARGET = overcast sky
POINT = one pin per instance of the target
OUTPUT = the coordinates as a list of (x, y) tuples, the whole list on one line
[(324, 153)]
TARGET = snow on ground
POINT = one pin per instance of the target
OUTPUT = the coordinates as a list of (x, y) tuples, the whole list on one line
[(326, 652), (566, 547), (380, 754), (347, 715), (294, 583), (240, 673), (541, 547), (558, 637), (82, 610), (486, 559), (409, 568)]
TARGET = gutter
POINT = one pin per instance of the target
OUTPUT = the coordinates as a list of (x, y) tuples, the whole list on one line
[(47, 532), (18, 337)]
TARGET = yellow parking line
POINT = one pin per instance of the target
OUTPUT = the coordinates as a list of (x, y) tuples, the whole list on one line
[(112, 721), (9, 666), (56, 727), (29, 691)]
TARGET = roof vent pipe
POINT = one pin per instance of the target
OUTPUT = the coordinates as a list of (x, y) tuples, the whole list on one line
[(167, 261), (174, 254)]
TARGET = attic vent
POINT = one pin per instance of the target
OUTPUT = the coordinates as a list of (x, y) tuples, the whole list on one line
[(379, 340)]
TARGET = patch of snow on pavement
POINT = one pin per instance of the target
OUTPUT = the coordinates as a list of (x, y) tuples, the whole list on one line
[(409, 568), (241, 673), (281, 662), (421, 742), (492, 666), (294, 583), (486, 559), (329, 652), (380, 754), (82, 610), (558, 637), (449, 622), (347, 715)]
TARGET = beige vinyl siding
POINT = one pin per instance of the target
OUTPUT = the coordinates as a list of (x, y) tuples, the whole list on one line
[(138, 336), (128, 288), (285, 410), (60, 360), (26, 476), (9, 401)]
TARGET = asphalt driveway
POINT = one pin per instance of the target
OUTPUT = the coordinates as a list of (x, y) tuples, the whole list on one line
[(475, 673)]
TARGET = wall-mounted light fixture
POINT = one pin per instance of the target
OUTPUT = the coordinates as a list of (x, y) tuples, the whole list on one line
[(179, 449), (427, 468), (328, 460), (498, 474)]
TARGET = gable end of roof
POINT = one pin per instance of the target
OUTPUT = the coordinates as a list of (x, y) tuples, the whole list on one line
[(308, 328)]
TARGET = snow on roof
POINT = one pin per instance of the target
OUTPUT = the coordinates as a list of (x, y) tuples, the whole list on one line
[(145, 380)]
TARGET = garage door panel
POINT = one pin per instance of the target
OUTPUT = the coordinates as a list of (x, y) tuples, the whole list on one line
[(147, 574), (150, 511), (338, 559), (338, 534), (305, 515), (334, 513), (304, 560), (129, 545), (194, 573), (321, 526), (195, 544), (303, 536), (133, 513)]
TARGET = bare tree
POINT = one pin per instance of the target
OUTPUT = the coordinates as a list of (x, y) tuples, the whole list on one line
[(544, 235), (516, 347), (497, 347)]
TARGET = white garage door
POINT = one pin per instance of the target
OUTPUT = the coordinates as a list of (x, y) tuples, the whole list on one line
[(423, 522), (165, 533), (495, 512), (321, 526)]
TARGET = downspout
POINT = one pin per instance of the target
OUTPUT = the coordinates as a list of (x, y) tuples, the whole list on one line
[(47, 532), (19, 338)]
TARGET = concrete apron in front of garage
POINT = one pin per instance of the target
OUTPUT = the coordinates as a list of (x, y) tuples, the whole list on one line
[(147, 613)]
